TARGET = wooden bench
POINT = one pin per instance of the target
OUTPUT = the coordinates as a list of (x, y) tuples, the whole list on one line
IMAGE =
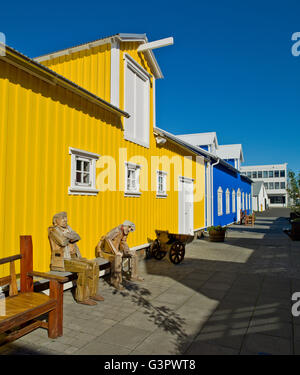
[(242, 216), (250, 219), (19, 312)]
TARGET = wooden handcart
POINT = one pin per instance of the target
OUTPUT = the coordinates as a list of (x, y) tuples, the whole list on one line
[(171, 243)]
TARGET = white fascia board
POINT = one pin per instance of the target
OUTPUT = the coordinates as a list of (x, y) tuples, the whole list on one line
[(68, 51), (156, 44), (115, 73), (143, 39)]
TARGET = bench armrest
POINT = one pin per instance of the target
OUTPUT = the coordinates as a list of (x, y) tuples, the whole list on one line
[(49, 276)]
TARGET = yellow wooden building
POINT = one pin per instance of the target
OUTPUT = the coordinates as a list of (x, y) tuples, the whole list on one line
[(78, 134)]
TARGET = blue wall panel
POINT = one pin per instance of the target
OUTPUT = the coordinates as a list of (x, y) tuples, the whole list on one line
[(225, 178)]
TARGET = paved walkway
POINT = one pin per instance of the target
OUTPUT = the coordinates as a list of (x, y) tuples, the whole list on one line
[(225, 298)]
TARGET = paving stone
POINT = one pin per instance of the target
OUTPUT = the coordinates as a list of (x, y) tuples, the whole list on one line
[(204, 348), (260, 343)]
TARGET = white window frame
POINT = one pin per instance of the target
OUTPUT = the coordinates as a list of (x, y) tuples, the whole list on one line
[(233, 201), (161, 194), (227, 201), (77, 188), (132, 192), (130, 63), (220, 201)]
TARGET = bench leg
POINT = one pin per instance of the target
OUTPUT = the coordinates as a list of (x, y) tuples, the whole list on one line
[(55, 321)]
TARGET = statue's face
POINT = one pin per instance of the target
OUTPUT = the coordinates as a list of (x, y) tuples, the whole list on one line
[(62, 221), (126, 229)]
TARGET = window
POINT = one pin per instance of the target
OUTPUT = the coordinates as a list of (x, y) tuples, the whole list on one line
[(259, 174), (271, 185), (132, 179), (249, 174), (266, 185), (83, 172), (282, 173), (276, 174), (227, 201), (243, 201), (265, 174), (277, 199), (233, 201), (271, 174), (220, 201), (137, 101), (254, 174), (282, 185), (276, 185), (161, 184)]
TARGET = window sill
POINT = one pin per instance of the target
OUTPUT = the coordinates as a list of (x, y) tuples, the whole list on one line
[(82, 191), (136, 141), (162, 196), (132, 194)]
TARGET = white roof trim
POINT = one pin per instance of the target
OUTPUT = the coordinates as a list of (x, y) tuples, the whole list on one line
[(123, 37)]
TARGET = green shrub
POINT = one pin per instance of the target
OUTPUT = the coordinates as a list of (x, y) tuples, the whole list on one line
[(218, 228)]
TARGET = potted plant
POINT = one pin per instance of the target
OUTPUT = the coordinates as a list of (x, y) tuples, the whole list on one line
[(295, 232), (217, 233)]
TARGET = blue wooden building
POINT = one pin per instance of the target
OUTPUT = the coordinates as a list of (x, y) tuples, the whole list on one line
[(227, 190)]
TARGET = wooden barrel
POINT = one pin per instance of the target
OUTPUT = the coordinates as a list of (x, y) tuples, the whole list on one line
[(216, 235)]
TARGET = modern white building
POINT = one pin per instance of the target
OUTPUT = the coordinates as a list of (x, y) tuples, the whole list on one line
[(274, 177)]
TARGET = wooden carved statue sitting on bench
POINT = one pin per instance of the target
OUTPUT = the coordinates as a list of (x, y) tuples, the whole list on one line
[(113, 247), (65, 256)]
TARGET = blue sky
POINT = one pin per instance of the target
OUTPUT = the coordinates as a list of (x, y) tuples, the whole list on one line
[(230, 70)]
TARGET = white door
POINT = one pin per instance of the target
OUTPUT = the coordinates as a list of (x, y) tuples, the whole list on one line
[(186, 205), (238, 206)]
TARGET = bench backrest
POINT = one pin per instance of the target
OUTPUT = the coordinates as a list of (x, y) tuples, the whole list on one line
[(26, 266)]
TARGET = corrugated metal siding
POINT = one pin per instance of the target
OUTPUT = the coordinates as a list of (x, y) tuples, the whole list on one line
[(89, 68), (39, 122)]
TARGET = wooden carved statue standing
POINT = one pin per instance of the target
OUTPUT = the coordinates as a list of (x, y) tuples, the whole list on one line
[(65, 256), (113, 247)]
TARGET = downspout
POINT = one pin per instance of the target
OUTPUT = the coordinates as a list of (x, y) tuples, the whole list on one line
[(212, 190)]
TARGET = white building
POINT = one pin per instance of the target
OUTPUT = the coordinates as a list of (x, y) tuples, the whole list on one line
[(232, 154), (259, 196), (274, 177)]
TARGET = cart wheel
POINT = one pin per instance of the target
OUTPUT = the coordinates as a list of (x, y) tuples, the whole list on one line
[(156, 251), (177, 252)]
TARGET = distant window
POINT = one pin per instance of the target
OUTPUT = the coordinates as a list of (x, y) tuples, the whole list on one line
[(282, 173), (161, 184), (277, 199), (249, 174), (282, 185), (132, 174), (265, 174), (276, 185), (233, 201), (220, 201), (227, 201), (271, 174), (271, 185), (83, 172), (254, 174), (259, 174), (276, 174), (266, 185)]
